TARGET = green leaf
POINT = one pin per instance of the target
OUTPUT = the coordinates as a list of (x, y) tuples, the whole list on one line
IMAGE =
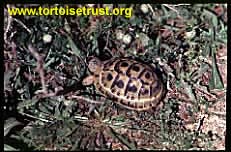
[(9, 124), (74, 48), (26, 104), (122, 139), (212, 16), (215, 81), (7, 76), (9, 148)]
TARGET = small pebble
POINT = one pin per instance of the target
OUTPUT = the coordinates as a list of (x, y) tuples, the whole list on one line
[(127, 39), (119, 35), (47, 38), (90, 5), (144, 8), (190, 34)]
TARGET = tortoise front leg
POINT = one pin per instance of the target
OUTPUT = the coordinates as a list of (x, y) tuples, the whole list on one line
[(89, 80)]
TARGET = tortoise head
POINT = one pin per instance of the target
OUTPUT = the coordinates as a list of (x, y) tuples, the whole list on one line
[(94, 65)]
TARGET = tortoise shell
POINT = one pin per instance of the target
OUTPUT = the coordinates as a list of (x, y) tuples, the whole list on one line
[(131, 83)]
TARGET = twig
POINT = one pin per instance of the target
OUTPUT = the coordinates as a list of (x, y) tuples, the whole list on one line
[(23, 25), (81, 118), (41, 119), (9, 21), (200, 123), (181, 5), (171, 8), (150, 7), (39, 67), (209, 96), (108, 33), (85, 99)]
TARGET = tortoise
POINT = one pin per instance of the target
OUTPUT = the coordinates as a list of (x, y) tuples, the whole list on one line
[(132, 84)]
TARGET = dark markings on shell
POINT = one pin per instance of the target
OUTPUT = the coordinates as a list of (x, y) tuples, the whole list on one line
[(124, 64), (128, 104), (115, 81), (141, 73), (120, 83), (109, 77), (135, 105), (132, 88), (128, 71), (123, 102), (143, 82), (113, 90), (147, 75), (109, 64), (97, 83), (151, 86), (126, 89), (140, 106), (136, 68), (117, 67), (144, 91)]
